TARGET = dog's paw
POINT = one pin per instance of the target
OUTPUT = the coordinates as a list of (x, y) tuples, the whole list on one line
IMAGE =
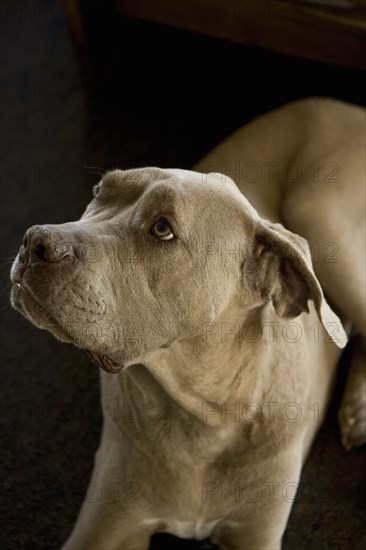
[(352, 423), (352, 413)]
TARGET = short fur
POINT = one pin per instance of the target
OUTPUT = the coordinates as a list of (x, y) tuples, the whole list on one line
[(219, 346)]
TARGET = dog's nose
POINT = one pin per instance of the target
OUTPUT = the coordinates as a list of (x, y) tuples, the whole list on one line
[(44, 243)]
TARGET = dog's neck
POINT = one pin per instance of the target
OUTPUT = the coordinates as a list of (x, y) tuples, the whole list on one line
[(199, 387), (213, 371)]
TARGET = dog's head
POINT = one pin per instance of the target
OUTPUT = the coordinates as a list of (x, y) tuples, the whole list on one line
[(156, 254)]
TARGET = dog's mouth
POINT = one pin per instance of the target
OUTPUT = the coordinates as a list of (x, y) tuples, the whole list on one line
[(105, 362), (24, 301)]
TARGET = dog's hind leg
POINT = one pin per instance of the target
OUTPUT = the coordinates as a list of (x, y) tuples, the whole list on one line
[(352, 413), (332, 219)]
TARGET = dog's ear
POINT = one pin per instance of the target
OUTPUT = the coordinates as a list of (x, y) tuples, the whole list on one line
[(278, 266)]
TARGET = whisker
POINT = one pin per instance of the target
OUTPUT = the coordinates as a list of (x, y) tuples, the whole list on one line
[(10, 259), (96, 170)]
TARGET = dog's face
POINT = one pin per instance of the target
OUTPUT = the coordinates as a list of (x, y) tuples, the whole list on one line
[(156, 254)]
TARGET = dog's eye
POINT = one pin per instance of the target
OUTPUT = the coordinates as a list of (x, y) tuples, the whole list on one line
[(162, 230)]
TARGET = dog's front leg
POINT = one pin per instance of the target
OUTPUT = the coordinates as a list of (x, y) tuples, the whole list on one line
[(262, 508), (237, 540), (254, 529), (113, 533), (108, 527), (112, 514)]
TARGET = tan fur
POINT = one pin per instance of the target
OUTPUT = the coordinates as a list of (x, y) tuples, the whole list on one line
[(226, 341)]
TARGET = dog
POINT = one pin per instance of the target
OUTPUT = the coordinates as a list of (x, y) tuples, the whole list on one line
[(200, 294)]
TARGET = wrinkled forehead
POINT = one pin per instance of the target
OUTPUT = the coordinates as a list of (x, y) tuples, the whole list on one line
[(177, 188)]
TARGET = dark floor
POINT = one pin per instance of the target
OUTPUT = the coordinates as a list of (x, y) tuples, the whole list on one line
[(141, 109)]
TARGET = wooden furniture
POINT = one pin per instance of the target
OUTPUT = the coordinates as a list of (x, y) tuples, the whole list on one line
[(330, 31)]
